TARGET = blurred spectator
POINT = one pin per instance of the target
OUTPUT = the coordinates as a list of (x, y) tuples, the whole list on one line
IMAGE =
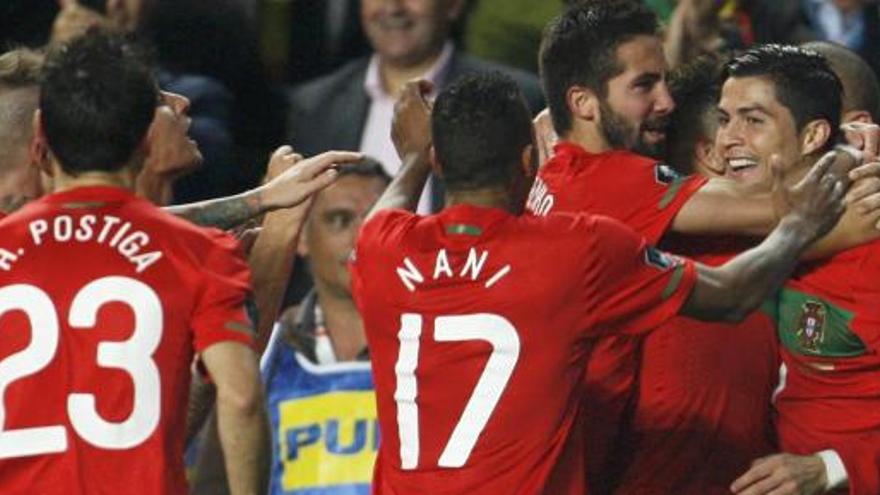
[(305, 39), (316, 367), (852, 23), (700, 27), (352, 107), (509, 31)]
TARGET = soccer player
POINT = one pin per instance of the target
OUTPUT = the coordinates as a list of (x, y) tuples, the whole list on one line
[(104, 299), (828, 401), (479, 319), (603, 71)]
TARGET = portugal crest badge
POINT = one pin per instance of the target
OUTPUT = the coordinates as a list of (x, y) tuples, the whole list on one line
[(811, 327)]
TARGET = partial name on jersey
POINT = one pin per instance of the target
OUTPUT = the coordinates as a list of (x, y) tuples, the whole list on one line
[(107, 230)]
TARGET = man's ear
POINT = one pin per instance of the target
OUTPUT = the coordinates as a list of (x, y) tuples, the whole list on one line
[(815, 136), (860, 116), (583, 103), (529, 161), (706, 160), (39, 147)]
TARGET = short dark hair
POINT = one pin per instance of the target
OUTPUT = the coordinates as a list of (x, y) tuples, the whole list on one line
[(802, 79), (695, 88), (579, 48), (861, 91), (368, 167), (480, 126), (98, 98)]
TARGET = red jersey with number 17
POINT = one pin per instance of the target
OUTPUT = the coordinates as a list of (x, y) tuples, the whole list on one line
[(479, 326), (104, 299)]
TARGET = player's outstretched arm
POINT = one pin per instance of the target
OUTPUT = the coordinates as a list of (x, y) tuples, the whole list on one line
[(811, 207), (725, 207), (411, 134), (272, 256), (241, 416), (285, 191)]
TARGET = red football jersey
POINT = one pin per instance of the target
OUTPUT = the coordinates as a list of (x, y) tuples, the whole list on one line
[(104, 299), (479, 326), (829, 328), (703, 409), (646, 196)]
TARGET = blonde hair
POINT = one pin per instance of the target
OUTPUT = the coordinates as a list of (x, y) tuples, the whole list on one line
[(21, 67)]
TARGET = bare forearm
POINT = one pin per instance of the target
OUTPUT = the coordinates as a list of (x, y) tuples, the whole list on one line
[(244, 435), (723, 207), (730, 292), (223, 213), (406, 188), (271, 262)]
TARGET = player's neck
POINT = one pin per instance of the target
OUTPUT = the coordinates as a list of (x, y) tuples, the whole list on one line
[(485, 198), (123, 178), (343, 323), (588, 136)]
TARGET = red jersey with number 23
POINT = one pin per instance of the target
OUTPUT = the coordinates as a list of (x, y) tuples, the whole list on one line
[(104, 299), (479, 326)]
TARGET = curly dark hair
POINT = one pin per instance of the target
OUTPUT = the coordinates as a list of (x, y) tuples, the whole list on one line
[(98, 98), (480, 125)]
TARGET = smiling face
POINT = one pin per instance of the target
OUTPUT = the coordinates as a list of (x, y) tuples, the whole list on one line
[(754, 125), (635, 111), (407, 32)]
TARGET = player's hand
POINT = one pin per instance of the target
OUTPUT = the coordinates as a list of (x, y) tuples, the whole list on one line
[(545, 136), (75, 20), (783, 474), (864, 137), (411, 125), (816, 202), (301, 178)]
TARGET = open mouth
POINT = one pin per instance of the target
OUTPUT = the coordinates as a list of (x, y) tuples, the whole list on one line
[(741, 168)]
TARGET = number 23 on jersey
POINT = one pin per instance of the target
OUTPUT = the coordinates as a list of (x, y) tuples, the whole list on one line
[(133, 356)]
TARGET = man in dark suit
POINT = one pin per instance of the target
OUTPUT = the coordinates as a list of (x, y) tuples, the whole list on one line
[(351, 108)]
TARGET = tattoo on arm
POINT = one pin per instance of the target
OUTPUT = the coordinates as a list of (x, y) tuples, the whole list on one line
[(9, 204), (223, 213)]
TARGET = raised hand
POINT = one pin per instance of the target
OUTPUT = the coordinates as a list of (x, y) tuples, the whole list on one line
[(411, 125), (783, 474), (301, 178), (816, 202)]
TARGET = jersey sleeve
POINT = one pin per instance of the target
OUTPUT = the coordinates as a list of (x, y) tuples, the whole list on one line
[(220, 313), (645, 195), (638, 287)]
